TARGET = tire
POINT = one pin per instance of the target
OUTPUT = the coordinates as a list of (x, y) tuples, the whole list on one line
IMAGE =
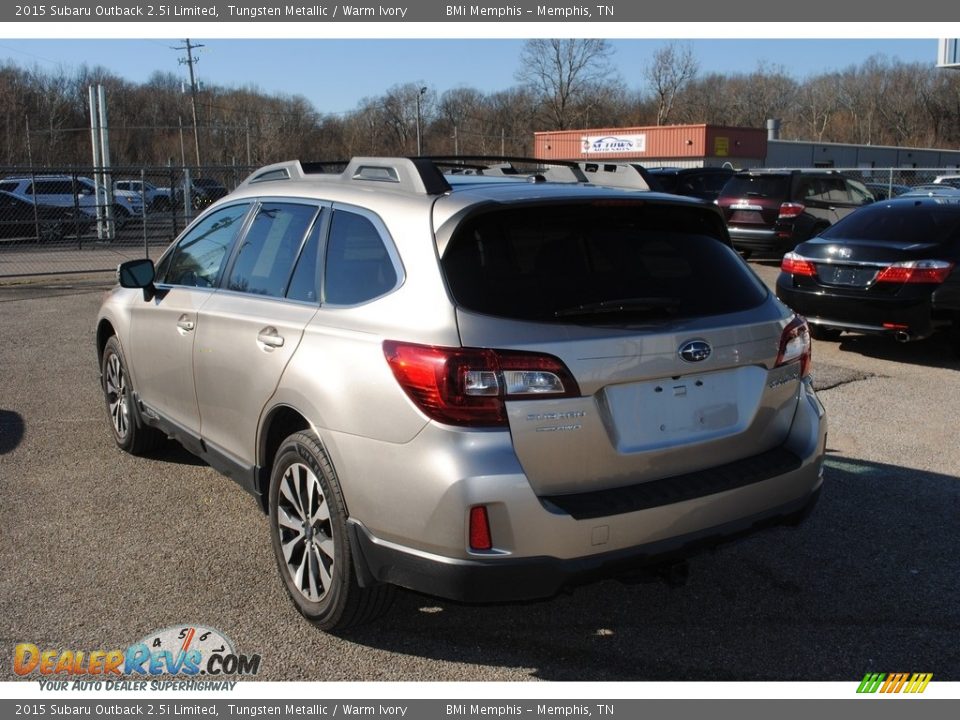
[(50, 231), (129, 432), (311, 544)]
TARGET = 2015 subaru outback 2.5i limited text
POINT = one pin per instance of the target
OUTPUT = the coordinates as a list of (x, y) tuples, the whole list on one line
[(479, 386)]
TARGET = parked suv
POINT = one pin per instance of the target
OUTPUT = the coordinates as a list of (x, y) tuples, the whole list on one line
[(705, 183), (771, 211), (483, 388), (155, 198), (70, 191)]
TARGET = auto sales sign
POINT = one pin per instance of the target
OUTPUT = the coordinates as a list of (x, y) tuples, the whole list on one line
[(608, 144)]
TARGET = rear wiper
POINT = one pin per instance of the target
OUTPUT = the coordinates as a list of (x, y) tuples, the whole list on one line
[(622, 306)]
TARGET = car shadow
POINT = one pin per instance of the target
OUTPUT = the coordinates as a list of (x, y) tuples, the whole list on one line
[(11, 430), (938, 351), (867, 584), (171, 451)]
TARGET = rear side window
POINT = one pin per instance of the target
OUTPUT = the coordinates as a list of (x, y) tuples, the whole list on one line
[(598, 265), (859, 193), (358, 265), (900, 223), (53, 187), (305, 280)]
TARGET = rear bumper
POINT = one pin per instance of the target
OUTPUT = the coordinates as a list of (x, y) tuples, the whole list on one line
[(531, 578), (875, 315), (562, 541), (780, 239)]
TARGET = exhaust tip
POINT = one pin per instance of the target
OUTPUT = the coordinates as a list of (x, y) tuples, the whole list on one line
[(902, 336)]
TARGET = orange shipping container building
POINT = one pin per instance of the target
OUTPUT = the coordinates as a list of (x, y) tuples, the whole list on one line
[(668, 145)]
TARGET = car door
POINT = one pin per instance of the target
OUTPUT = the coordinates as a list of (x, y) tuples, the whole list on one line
[(164, 327), (249, 330)]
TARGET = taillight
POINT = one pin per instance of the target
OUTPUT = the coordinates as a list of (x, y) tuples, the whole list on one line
[(480, 538), (791, 210), (796, 265), (916, 271), (795, 345), (469, 386)]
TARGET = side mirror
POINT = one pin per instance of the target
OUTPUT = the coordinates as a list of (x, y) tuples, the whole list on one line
[(137, 274)]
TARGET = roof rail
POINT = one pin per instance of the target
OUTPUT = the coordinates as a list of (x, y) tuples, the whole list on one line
[(413, 175), (535, 169), (425, 175), (616, 174)]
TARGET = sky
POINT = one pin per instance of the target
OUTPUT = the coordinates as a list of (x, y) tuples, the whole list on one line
[(335, 75)]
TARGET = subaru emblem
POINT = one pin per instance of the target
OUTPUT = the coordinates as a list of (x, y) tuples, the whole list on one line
[(694, 351)]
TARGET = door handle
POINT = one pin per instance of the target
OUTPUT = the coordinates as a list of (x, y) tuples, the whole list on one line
[(185, 323), (270, 337)]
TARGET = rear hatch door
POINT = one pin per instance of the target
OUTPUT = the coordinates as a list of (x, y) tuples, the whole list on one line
[(670, 337), (753, 200)]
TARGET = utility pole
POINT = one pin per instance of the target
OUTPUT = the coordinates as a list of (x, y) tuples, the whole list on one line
[(189, 60), (419, 96)]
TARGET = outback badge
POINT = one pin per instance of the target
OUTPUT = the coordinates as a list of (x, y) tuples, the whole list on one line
[(694, 351)]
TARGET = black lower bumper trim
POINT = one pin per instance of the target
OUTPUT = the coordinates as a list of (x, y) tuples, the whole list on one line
[(656, 493)]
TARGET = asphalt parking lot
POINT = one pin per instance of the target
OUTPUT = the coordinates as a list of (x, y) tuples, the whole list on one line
[(100, 548)]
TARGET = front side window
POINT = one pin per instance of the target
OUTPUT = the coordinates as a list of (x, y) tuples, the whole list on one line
[(358, 266), (198, 258), (269, 250)]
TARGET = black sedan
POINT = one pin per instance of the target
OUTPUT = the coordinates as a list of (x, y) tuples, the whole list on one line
[(889, 268), (20, 218)]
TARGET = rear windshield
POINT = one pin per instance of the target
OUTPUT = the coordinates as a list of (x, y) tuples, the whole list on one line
[(757, 186), (597, 265), (901, 222)]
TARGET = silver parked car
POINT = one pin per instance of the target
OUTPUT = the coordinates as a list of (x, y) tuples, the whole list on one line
[(479, 387)]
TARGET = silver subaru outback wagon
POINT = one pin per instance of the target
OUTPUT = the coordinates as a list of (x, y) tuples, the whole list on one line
[(483, 386)]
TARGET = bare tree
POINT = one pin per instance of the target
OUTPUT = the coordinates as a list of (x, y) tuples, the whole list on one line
[(817, 104), (672, 68), (459, 122), (562, 73)]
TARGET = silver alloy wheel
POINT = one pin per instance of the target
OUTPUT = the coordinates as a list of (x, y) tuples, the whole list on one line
[(306, 535), (116, 390)]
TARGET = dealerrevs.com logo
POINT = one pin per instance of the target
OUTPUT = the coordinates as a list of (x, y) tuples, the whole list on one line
[(180, 650), (890, 683)]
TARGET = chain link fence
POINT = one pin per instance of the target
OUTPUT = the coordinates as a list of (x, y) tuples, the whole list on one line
[(56, 221), (888, 182), (59, 221)]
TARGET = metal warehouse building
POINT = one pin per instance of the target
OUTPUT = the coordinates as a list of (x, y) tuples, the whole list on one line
[(717, 146)]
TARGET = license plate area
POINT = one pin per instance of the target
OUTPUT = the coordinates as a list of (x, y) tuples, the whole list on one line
[(846, 275), (746, 217), (674, 411)]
